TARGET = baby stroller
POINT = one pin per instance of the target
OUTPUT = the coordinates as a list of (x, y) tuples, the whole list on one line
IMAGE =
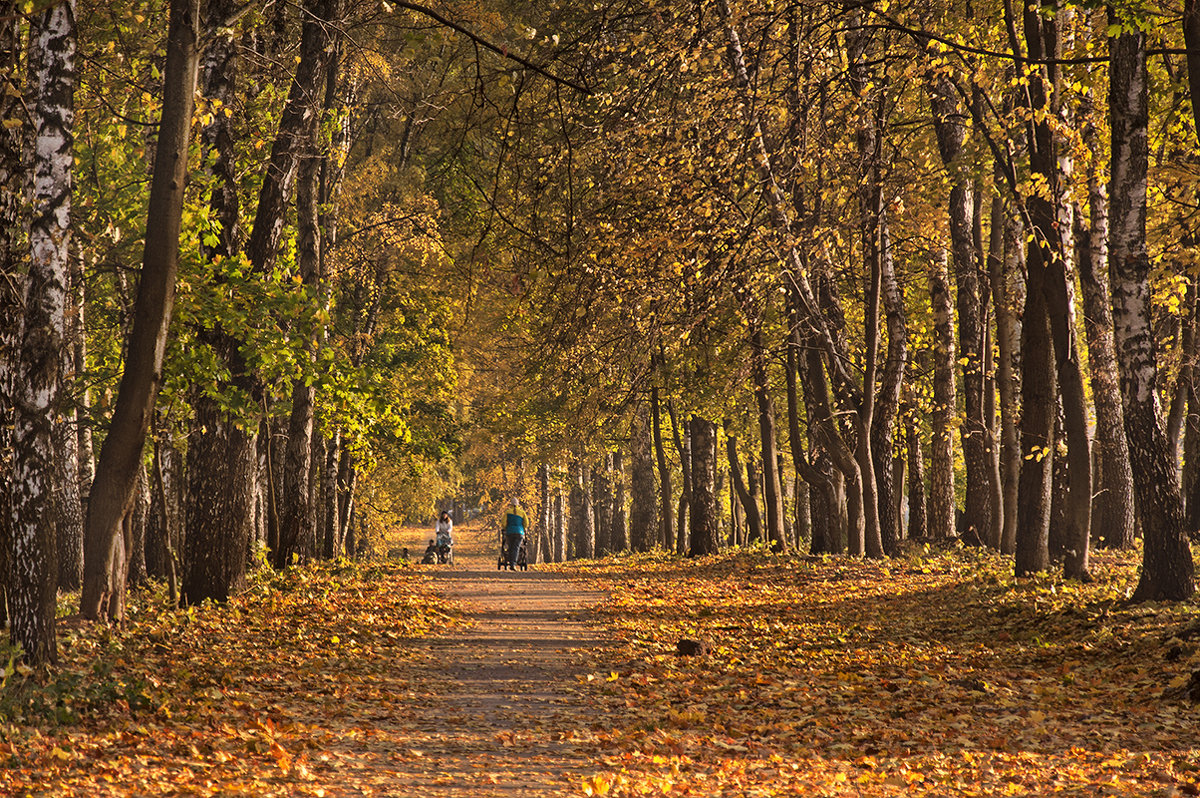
[(431, 554), (522, 559), (445, 550)]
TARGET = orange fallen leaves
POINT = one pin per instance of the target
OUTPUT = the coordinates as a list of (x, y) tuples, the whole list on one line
[(219, 700), (940, 675)]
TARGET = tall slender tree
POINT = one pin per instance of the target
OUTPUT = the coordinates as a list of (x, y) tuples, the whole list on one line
[(42, 337), (120, 460), (1167, 567)]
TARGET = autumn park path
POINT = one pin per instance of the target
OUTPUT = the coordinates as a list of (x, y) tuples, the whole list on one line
[(493, 706)]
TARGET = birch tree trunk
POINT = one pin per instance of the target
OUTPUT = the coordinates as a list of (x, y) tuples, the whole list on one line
[(37, 376), (1167, 567), (14, 130), (949, 121), (1112, 514)]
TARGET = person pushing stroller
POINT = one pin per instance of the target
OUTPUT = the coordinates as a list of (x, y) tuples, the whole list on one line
[(444, 534), (513, 533)]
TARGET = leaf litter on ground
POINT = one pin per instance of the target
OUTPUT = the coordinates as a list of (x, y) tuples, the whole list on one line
[(934, 674)]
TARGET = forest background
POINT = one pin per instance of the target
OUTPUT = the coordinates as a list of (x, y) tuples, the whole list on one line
[(817, 277)]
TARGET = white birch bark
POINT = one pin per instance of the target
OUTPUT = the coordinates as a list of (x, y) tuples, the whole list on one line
[(42, 336)]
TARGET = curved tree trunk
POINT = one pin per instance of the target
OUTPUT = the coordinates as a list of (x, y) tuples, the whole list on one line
[(117, 469), (749, 505)]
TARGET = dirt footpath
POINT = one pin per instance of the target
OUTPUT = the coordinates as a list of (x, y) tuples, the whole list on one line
[(493, 707)]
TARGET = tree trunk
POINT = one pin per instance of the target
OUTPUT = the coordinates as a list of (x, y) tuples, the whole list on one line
[(36, 384), (682, 442), (876, 482), (887, 401), (167, 480), (753, 519), (1112, 515), (218, 519), (772, 488), (666, 531), (14, 131), (296, 513), (120, 457), (138, 521), (545, 548), (602, 506), (582, 530), (1167, 568), (948, 117), (804, 520), (69, 507), (560, 532), (643, 510), (917, 528), (329, 517), (1038, 343), (941, 452), (999, 270), (620, 534), (704, 521)]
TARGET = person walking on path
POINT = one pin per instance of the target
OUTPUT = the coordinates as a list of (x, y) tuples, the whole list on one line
[(514, 532), (444, 532)]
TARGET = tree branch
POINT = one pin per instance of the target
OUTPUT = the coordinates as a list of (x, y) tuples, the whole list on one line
[(498, 49)]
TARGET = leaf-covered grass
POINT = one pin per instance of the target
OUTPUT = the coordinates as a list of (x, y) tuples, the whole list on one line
[(936, 674), (256, 697)]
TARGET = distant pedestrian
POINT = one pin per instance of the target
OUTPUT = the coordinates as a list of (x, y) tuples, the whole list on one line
[(513, 530)]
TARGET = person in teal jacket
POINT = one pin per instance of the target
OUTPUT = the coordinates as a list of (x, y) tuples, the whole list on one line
[(514, 532)]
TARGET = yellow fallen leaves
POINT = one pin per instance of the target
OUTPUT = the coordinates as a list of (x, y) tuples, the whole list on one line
[(836, 677), (597, 785)]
